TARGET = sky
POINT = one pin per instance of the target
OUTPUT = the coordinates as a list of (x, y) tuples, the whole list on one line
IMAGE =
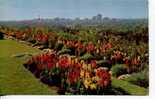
[(30, 9)]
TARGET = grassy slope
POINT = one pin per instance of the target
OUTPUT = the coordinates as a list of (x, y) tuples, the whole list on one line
[(129, 88), (14, 78)]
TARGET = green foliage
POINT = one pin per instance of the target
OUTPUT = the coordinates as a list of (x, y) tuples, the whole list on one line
[(58, 46), (118, 70), (86, 56), (68, 36), (64, 51), (140, 78), (99, 62)]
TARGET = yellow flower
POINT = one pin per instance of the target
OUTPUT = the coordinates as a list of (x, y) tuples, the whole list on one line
[(87, 83), (82, 61), (93, 86), (84, 66), (89, 67), (86, 86), (76, 60), (97, 51), (82, 74), (94, 78), (95, 70)]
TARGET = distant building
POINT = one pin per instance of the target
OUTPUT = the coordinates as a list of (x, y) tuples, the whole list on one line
[(97, 18)]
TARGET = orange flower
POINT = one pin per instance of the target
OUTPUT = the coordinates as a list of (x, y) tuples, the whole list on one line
[(88, 74)]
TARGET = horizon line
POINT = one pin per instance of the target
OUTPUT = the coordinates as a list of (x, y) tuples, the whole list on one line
[(81, 18)]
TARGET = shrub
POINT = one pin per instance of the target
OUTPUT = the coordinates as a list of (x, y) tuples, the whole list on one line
[(118, 70)]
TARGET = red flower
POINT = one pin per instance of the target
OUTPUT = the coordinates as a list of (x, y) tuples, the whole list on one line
[(127, 61), (63, 62), (104, 78), (93, 63), (72, 43), (118, 55), (43, 58), (103, 83), (90, 47), (50, 65), (80, 45), (109, 45), (44, 38), (78, 65), (73, 76), (135, 61)]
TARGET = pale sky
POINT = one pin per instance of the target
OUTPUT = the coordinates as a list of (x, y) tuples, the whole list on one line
[(30, 9)]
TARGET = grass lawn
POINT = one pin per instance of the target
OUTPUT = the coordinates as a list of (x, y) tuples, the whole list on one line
[(129, 88), (14, 78)]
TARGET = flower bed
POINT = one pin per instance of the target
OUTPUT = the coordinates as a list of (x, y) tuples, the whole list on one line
[(71, 75), (88, 71)]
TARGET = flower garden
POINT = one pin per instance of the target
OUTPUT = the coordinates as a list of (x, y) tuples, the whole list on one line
[(83, 63)]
